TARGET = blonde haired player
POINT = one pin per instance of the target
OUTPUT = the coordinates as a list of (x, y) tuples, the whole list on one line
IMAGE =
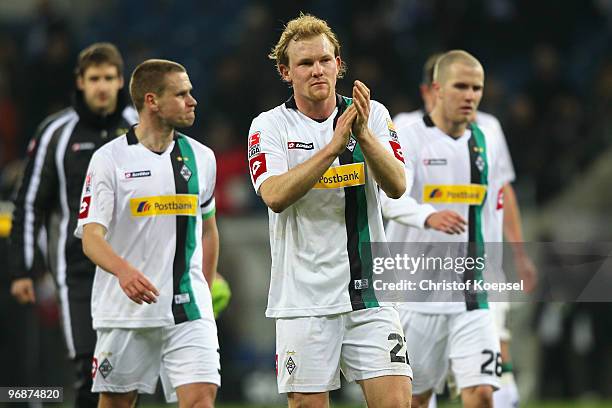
[(317, 161)]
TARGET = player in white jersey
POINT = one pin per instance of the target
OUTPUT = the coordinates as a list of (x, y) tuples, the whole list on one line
[(317, 161), (507, 395), (449, 165), (147, 222)]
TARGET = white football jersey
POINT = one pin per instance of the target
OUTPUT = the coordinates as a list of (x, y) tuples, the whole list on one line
[(404, 119), (495, 207), (152, 206), (321, 245), (417, 215), (444, 173)]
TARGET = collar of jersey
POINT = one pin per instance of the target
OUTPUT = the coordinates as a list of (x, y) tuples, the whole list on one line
[(340, 107), (133, 140), (430, 124)]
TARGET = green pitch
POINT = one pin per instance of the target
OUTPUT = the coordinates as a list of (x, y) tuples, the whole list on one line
[(565, 404), (548, 404)]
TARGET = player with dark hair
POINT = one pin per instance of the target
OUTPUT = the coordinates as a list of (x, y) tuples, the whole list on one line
[(50, 193)]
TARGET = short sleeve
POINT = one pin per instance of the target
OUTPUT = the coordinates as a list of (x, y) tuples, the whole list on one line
[(98, 193), (209, 178), (406, 210), (506, 168), (267, 154), (410, 151), (382, 126)]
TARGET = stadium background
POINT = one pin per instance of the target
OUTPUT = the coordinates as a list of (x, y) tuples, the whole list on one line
[(548, 71)]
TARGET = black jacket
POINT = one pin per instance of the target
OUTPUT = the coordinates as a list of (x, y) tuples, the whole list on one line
[(50, 192)]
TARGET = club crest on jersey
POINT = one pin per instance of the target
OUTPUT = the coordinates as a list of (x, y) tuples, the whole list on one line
[(186, 173), (480, 163), (290, 365), (105, 368), (351, 143)]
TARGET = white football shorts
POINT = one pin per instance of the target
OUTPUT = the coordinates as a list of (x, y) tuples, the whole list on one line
[(363, 344), (500, 317), (133, 359), (467, 342)]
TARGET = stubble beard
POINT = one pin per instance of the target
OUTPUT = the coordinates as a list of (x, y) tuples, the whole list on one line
[(321, 95)]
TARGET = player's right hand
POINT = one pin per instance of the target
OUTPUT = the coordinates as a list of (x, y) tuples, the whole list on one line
[(23, 290), (343, 129), (137, 287), (447, 221)]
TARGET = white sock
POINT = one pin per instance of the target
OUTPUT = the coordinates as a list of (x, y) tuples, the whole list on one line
[(507, 396), (433, 401)]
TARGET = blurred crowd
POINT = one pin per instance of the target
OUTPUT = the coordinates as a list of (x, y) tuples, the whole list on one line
[(548, 67), (548, 70)]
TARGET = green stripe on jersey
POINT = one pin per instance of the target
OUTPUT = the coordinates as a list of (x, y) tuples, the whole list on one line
[(481, 297), (363, 229), (191, 308)]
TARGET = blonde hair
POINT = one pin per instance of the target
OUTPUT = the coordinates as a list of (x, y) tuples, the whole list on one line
[(304, 27), (150, 76), (449, 58)]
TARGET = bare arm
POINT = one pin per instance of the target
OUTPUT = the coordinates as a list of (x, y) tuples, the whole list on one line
[(407, 211), (514, 234), (279, 192), (133, 282), (210, 249), (386, 169)]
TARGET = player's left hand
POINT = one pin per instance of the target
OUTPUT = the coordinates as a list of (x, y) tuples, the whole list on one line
[(361, 100), (221, 295)]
